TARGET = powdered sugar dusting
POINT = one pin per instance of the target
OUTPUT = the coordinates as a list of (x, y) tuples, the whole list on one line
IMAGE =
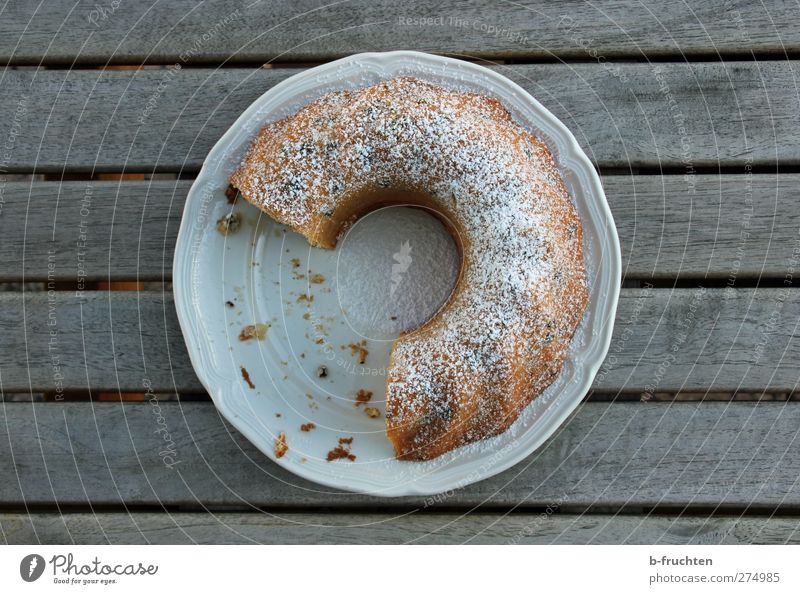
[(503, 337)]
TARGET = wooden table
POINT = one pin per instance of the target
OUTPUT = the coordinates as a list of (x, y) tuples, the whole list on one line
[(691, 114)]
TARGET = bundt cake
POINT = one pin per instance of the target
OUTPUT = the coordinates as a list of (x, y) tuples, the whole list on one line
[(502, 337)]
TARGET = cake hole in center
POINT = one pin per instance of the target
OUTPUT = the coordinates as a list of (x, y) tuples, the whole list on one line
[(396, 267)]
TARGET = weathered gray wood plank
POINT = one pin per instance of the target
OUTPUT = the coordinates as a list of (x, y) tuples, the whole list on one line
[(402, 528), (130, 228), (718, 455), (242, 30), (664, 340), (730, 227), (646, 115)]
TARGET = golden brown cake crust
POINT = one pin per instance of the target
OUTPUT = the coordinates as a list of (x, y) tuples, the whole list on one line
[(501, 339)]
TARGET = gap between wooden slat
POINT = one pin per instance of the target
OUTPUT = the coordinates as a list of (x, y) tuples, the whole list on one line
[(188, 173), (456, 510), (566, 59), (593, 396)]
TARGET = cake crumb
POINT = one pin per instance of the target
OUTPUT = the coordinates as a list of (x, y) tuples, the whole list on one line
[(230, 223), (316, 279), (322, 371), (305, 297), (362, 397), (342, 450), (372, 412), (295, 262), (361, 349), (307, 427), (257, 331), (246, 377), (280, 445), (231, 193)]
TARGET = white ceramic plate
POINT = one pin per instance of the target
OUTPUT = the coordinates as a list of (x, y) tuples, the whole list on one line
[(254, 270)]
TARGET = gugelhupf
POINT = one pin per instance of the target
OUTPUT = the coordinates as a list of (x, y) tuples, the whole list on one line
[(501, 338)]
